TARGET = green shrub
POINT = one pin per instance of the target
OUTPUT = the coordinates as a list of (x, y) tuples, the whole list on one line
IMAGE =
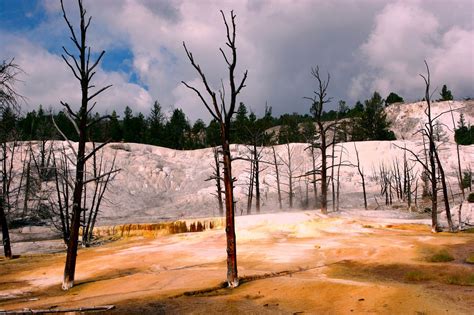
[(460, 279), (441, 256), (470, 258), (470, 198), (416, 276)]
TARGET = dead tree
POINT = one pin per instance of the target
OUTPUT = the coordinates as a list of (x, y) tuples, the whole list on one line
[(290, 170), (459, 170), (362, 175), (63, 188), (277, 175), (83, 69), (101, 177), (312, 150), (434, 168), (223, 112), (9, 98), (318, 100), (216, 176), (338, 186), (384, 178), (444, 189), (250, 189), (255, 145), (310, 137), (333, 156), (409, 176), (6, 159)]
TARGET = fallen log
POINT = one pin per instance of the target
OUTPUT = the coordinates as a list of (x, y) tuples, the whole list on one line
[(58, 310)]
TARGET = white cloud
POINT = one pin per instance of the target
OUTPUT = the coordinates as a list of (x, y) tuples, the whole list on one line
[(404, 35), (47, 80), (366, 45)]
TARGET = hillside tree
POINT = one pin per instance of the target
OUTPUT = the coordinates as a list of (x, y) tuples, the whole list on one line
[(446, 95), (393, 98)]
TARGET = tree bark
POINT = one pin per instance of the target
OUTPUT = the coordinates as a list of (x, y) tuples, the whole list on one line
[(5, 233), (290, 176), (83, 71), (277, 177), (445, 193), (324, 183), (223, 115), (218, 181), (256, 178), (232, 275), (315, 186)]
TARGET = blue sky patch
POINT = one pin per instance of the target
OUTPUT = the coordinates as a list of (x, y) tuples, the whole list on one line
[(21, 15)]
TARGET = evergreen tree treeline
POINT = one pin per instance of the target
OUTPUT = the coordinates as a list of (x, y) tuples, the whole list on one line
[(176, 132)]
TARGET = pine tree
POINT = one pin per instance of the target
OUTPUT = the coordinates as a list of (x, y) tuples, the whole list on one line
[(373, 123), (177, 130), (127, 125), (393, 98), (446, 94), (115, 130), (156, 125)]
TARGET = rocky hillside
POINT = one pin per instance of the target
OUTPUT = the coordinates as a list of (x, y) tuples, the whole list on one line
[(407, 119), (156, 184)]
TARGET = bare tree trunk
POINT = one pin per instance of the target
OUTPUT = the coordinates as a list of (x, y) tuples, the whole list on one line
[(83, 70), (318, 100), (3, 201), (277, 177), (5, 233), (218, 181), (362, 177), (315, 186), (256, 178), (459, 170), (338, 176), (232, 277), (290, 176), (250, 188), (333, 187), (416, 193), (70, 266), (223, 115), (63, 216), (445, 192), (432, 150), (324, 177), (101, 179)]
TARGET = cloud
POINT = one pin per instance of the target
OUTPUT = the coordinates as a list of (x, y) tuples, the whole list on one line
[(403, 36), (47, 80), (366, 45)]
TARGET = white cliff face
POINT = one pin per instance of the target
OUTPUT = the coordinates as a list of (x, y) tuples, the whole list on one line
[(407, 119), (157, 184)]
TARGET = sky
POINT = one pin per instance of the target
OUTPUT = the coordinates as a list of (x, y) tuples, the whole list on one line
[(365, 45)]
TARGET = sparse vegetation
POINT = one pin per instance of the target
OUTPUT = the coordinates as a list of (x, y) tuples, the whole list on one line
[(417, 275), (460, 279), (470, 259), (441, 256)]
